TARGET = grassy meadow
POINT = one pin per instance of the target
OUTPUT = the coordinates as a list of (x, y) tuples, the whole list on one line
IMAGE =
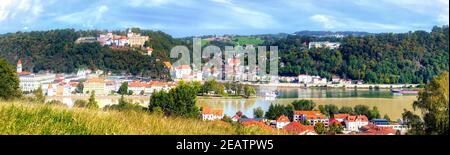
[(23, 118)]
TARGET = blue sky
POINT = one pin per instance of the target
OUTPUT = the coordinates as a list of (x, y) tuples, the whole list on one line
[(198, 17)]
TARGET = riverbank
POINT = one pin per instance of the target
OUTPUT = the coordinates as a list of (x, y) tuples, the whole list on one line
[(347, 86)]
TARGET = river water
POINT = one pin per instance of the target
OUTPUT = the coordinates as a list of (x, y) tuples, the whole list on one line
[(386, 102)]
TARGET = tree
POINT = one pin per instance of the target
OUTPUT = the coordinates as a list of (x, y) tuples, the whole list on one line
[(39, 96), (434, 103), (374, 113), (179, 101), (335, 128), (9, 82), (361, 110), (80, 103), (92, 104), (346, 110), (123, 89), (80, 87), (249, 91), (329, 110), (320, 128), (55, 102), (258, 112), (124, 105), (130, 92), (303, 105), (276, 110), (414, 122), (142, 93), (386, 117)]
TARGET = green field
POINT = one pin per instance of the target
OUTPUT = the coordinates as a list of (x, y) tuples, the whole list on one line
[(23, 118), (247, 40)]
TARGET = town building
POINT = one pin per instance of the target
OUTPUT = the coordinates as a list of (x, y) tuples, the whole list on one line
[(136, 40), (312, 117), (183, 71), (86, 40), (282, 121), (212, 114), (324, 44), (95, 84), (29, 81), (371, 129), (353, 123), (341, 117)]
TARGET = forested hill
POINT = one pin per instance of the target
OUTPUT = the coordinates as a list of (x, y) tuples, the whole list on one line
[(413, 57), (56, 50)]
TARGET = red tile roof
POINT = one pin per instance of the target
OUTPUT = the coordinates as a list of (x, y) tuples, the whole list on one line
[(341, 116), (19, 62), (372, 129), (283, 118), (184, 67), (310, 114), (358, 118), (297, 128), (207, 110)]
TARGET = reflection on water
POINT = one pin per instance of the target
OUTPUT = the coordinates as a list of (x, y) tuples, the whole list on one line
[(383, 99), (332, 93)]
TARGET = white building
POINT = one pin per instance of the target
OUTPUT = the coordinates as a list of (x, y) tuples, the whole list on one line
[(282, 121), (211, 115), (31, 82), (324, 44), (182, 71), (302, 78), (353, 123)]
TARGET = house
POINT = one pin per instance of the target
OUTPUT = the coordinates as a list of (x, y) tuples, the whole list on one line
[(302, 78), (341, 117), (95, 84), (136, 40), (383, 123), (149, 51), (379, 122), (137, 86), (282, 121), (372, 129), (29, 82), (50, 91), (300, 129), (312, 117), (86, 40), (353, 123), (335, 80), (182, 71), (324, 44), (212, 114)]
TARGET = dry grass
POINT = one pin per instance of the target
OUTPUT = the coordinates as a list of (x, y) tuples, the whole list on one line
[(24, 118)]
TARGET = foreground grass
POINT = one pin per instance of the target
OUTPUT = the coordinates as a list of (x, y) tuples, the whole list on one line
[(19, 118)]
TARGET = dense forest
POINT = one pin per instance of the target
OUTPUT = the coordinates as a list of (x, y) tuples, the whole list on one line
[(412, 57), (55, 50)]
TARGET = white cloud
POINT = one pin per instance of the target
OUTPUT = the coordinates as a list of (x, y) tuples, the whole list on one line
[(327, 22), (235, 16), (26, 10), (89, 17), (331, 22)]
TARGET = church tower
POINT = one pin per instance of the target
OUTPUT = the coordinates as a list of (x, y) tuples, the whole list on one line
[(19, 66)]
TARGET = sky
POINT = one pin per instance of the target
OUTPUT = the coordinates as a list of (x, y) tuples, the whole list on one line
[(182, 18)]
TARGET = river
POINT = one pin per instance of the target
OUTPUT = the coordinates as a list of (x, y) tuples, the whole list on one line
[(386, 102)]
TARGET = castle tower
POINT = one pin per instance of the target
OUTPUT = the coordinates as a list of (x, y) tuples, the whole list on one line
[(19, 66)]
